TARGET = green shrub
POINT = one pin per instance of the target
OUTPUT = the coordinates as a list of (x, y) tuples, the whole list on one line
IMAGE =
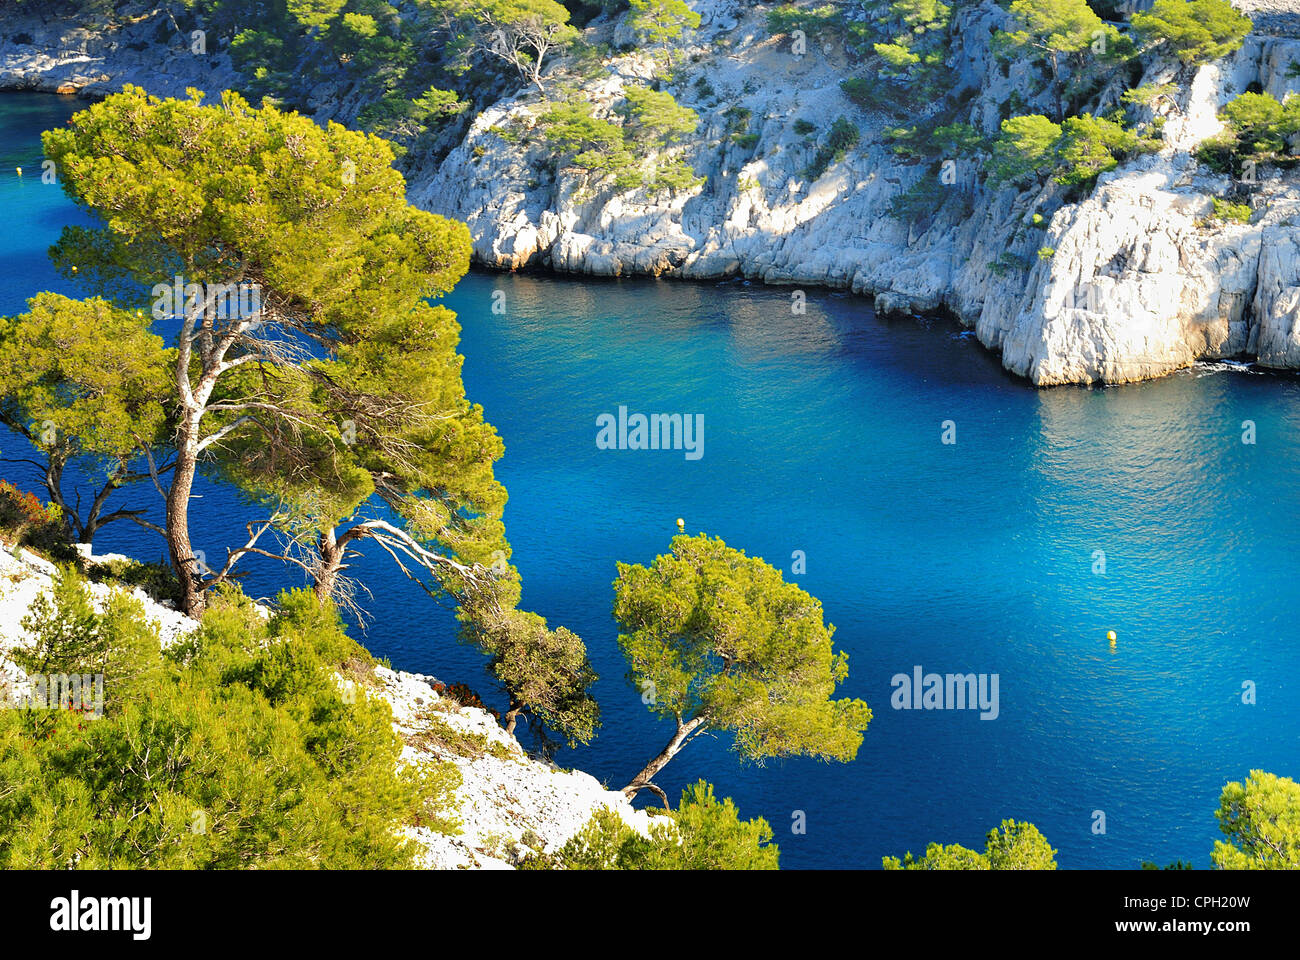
[(1219, 153), (816, 22), (26, 522), (1258, 128), (158, 580), (947, 141), (738, 118), (397, 116), (1090, 146), (703, 833), (1024, 149), (1148, 94), (610, 152), (1075, 151), (876, 93), (1261, 124), (929, 197), (842, 138), (237, 748), (1005, 263), (1227, 211)]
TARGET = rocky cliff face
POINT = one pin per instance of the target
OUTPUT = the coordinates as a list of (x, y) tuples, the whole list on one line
[(1138, 284), (508, 803)]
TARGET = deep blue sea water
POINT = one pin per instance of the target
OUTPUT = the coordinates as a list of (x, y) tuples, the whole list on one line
[(822, 435)]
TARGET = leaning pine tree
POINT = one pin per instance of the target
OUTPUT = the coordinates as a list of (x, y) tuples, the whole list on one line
[(716, 640), (338, 402), (313, 219)]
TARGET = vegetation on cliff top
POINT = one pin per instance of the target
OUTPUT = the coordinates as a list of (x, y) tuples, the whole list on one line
[(236, 749)]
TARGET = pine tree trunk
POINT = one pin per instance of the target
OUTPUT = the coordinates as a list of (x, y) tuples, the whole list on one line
[(178, 511), (54, 487), (646, 777), (331, 562)]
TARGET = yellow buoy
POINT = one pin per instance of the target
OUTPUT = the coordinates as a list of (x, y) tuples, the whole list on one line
[(20, 171), (1111, 636), (681, 524)]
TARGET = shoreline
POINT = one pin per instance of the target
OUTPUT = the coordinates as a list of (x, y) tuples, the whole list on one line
[(1206, 295)]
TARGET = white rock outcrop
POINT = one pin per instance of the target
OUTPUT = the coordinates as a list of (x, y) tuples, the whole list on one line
[(507, 801), (1132, 281), (1140, 283)]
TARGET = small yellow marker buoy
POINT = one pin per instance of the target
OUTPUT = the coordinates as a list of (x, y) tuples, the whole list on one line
[(681, 524), (20, 171), (1110, 635)]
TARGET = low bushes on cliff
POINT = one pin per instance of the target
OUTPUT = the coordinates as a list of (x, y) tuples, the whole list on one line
[(26, 522), (842, 137), (627, 155), (1259, 128), (1074, 152), (703, 833), (237, 748)]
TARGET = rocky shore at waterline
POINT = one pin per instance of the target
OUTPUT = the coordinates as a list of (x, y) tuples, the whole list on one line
[(1133, 281)]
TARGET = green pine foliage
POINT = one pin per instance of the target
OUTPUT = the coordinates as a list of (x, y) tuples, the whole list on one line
[(1261, 820), (703, 833), (1024, 149), (1259, 130), (1090, 146), (842, 137), (717, 640), (239, 748), (1074, 152), (1195, 31), (816, 20), (1011, 846), (85, 382), (661, 22), (636, 153)]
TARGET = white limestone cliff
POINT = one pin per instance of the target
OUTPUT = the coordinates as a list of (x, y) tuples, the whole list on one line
[(1139, 283)]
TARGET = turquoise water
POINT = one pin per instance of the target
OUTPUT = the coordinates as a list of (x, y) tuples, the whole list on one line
[(822, 435)]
